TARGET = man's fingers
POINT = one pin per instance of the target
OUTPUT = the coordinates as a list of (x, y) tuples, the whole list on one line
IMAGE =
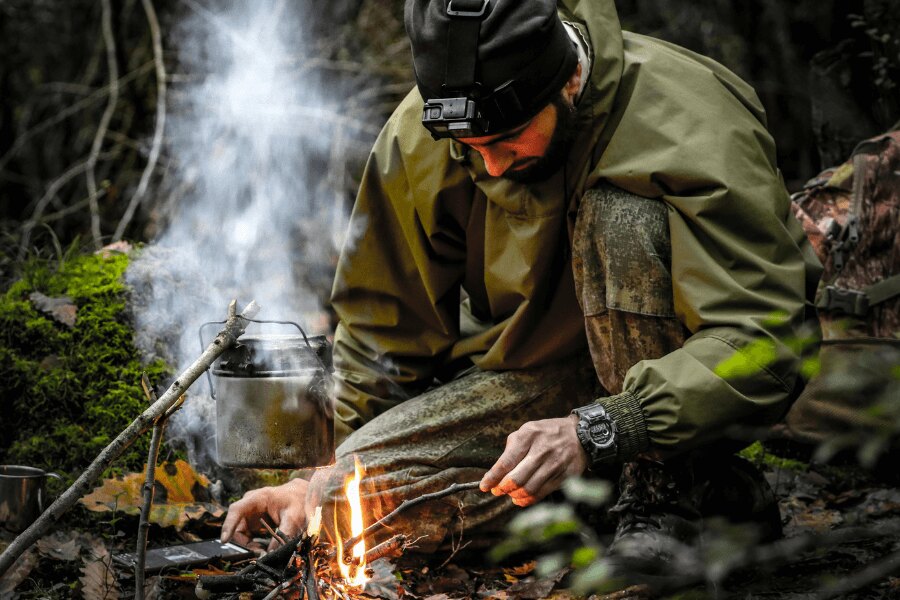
[(513, 454), (282, 506), (250, 506), (519, 476), (544, 481)]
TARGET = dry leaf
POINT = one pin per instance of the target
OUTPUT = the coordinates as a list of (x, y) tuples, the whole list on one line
[(98, 579), (18, 572), (120, 247), (522, 570), (180, 495), (153, 588), (536, 589), (61, 309), (383, 584), (60, 546)]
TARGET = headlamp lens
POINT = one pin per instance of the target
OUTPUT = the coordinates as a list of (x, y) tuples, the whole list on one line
[(454, 118)]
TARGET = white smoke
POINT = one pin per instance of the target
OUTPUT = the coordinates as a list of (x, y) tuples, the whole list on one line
[(256, 215)]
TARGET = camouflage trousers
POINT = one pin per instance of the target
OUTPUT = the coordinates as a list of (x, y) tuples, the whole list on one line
[(455, 432)]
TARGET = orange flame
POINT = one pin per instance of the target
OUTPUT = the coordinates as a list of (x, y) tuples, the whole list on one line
[(354, 575)]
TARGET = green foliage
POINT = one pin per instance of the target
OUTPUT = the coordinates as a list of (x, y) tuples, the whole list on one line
[(560, 535), (749, 360), (68, 392), (758, 455)]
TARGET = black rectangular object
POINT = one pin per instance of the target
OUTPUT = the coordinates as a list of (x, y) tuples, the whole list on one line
[(186, 555)]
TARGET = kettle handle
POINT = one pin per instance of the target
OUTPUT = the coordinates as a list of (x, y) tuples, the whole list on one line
[(212, 390), (40, 491)]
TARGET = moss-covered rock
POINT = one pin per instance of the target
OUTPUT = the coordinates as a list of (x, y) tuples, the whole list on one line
[(66, 392)]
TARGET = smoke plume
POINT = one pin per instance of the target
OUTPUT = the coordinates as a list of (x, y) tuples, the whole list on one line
[(257, 212)]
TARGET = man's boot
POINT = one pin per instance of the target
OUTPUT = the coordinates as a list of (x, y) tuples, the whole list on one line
[(661, 508)]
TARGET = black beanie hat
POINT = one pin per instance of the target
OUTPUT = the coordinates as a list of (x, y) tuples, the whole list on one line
[(521, 43)]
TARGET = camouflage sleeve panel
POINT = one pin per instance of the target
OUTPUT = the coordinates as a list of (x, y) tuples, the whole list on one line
[(631, 428)]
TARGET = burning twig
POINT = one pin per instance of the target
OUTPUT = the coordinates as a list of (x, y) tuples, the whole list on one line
[(407, 504), (391, 548), (233, 328)]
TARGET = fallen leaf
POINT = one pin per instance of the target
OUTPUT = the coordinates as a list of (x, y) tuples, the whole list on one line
[(62, 310), (120, 247), (60, 546), (881, 503), (522, 570), (153, 589), (180, 495), (383, 584), (451, 580), (18, 572), (535, 589), (98, 578)]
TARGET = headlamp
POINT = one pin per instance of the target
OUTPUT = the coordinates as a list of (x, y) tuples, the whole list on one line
[(458, 114), (455, 118)]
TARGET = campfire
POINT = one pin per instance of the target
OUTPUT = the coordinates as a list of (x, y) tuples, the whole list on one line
[(309, 567)]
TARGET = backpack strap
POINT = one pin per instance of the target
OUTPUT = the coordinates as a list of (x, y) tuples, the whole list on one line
[(855, 302), (844, 239)]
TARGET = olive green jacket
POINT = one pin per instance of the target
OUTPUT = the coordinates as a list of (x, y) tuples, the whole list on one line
[(444, 264)]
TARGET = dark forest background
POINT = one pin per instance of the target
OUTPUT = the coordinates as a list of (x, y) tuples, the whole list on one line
[(826, 70)]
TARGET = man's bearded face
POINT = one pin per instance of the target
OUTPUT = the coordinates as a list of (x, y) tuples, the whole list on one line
[(533, 151)]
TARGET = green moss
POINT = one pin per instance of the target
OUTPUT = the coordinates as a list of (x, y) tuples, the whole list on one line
[(760, 456), (67, 392)]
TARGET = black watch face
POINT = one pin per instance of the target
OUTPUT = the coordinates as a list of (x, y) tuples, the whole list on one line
[(601, 433)]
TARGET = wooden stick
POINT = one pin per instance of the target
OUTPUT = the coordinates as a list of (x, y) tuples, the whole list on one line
[(407, 504), (149, 480), (233, 328), (271, 531), (389, 548)]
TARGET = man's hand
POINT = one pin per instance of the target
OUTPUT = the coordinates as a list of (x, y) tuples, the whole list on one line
[(283, 506), (537, 458)]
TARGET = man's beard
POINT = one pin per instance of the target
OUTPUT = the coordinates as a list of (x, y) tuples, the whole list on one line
[(557, 149)]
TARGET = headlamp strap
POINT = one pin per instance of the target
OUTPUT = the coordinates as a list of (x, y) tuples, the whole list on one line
[(462, 43)]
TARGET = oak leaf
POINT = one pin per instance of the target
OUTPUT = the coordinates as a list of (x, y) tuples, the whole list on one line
[(180, 495)]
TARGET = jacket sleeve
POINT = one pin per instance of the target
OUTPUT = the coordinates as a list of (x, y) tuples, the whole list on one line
[(396, 289), (740, 265), (737, 281)]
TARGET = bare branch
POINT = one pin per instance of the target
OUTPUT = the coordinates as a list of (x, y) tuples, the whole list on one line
[(149, 481), (138, 195), (232, 329), (53, 189), (68, 112), (112, 100)]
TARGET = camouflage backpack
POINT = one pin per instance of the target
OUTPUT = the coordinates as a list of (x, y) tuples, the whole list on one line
[(851, 214)]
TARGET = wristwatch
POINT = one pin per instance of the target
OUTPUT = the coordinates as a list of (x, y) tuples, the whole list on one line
[(596, 432)]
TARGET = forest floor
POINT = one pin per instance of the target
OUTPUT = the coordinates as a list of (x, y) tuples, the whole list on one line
[(74, 561)]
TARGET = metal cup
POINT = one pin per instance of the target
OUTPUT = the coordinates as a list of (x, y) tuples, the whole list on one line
[(21, 496)]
